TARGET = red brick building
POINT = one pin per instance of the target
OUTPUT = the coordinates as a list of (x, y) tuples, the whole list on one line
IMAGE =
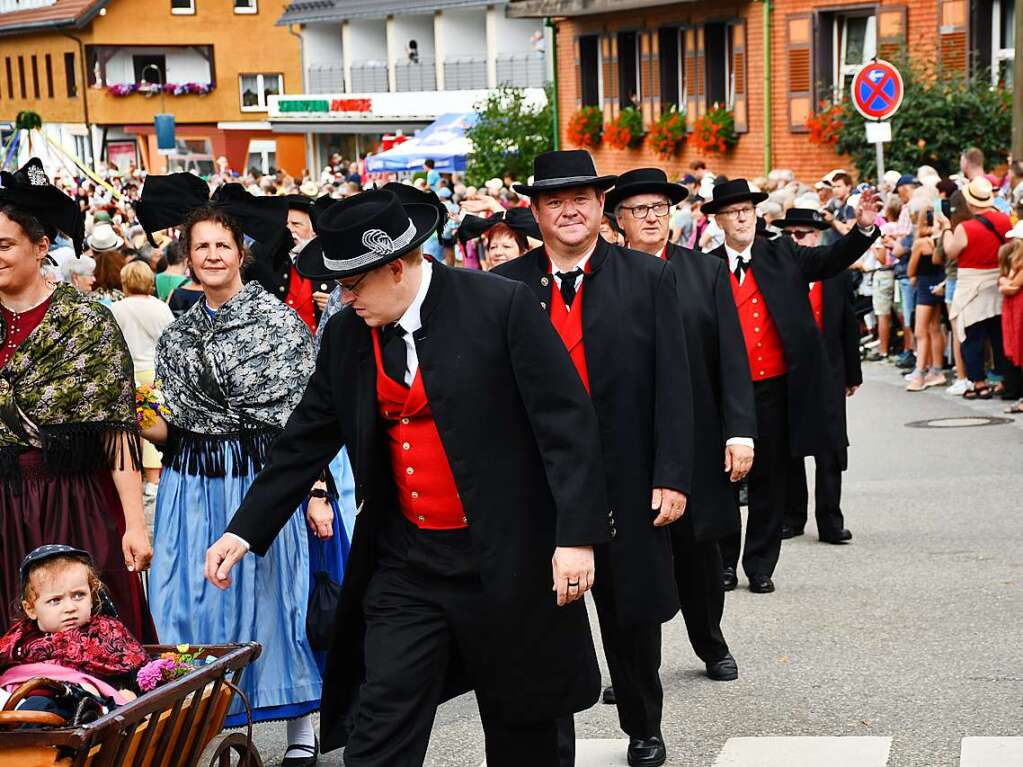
[(654, 54)]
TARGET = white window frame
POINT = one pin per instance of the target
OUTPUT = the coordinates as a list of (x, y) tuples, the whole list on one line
[(729, 66), (253, 7), (190, 11), (263, 107), (840, 69), (999, 54)]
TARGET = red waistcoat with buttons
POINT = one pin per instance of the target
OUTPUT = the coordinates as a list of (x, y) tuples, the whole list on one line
[(300, 298), (569, 325), (427, 494), (817, 303), (763, 343)]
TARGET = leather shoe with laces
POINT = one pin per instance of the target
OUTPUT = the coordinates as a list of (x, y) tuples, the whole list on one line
[(724, 669), (729, 579), (761, 584), (841, 536), (647, 752), (609, 696)]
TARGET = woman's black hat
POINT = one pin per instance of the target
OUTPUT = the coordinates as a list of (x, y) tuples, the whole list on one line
[(168, 200), (519, 220), (562, 170), (730, 192), (645, 181), (803, 217), (362, 232), (30, 190)]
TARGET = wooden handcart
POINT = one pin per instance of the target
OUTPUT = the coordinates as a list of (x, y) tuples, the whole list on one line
[(176, 725)]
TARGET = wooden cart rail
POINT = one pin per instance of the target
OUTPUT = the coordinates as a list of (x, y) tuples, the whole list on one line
[(169, 727)]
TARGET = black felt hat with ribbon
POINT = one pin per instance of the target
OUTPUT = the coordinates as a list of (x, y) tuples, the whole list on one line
[(168, 200), (408, 194), (563, 169), (362, 232), (803, 217), (645, 181), (519, 220), (730, 192), (28, 189)]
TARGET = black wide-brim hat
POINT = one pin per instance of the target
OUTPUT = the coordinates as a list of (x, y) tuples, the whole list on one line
[(519, 220), (51, 550), (30, 190), (562, 170), (408, 194), (803, 217), (645, 181), (730, 192), (365, 231)]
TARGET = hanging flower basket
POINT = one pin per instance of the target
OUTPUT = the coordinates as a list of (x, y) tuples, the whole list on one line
[(153, 89), (826, 125), (586, 127), (668, 135), (626, 130), (714, 132)]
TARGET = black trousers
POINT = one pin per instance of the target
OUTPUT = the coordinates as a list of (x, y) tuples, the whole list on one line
[(768, 483), (633, 656), (422, 611), (827, 494), (701, 594)]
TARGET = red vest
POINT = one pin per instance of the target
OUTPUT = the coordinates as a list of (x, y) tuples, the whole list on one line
[(300, 298), (427, 494), (817, 304), (763, 344), (569, 325)]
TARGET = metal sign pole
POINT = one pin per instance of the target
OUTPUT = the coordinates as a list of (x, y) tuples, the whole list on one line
[(879, 147)]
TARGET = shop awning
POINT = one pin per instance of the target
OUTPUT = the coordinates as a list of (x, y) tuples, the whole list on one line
[(443, 141)]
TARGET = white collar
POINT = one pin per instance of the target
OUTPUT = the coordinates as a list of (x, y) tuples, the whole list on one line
[(581, 264), (735, 255), (412, 319)]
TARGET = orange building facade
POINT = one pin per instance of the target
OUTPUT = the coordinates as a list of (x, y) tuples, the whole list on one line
[(659, 55), (91, 69)]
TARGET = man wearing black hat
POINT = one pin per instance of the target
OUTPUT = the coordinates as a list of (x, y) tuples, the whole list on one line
[(617, 312), (273, 264), (786, 357), (831, 301), (724, 418), (477, 476)]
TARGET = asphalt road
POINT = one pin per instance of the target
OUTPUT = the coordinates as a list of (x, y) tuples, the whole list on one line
[(911, 632)]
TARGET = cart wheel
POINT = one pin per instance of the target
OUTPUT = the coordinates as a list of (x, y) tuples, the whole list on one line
[(230, 750)]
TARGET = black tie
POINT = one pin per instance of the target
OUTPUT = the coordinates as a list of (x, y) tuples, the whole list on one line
[(394, 352), (741, 265), (568, 285)]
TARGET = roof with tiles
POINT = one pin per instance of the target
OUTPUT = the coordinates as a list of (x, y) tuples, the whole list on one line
[(63, 14), (335, 11)]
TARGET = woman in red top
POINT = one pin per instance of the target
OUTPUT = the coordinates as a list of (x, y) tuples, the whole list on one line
[(977, 305)]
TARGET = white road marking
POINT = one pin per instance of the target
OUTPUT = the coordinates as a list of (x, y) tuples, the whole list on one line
[(992, 752), (597, 752), (805, 752)]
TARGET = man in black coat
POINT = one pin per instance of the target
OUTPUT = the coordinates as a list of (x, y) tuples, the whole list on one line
[(831, 301), (477, 474), (795, 415), (725, 423), (617, 312)]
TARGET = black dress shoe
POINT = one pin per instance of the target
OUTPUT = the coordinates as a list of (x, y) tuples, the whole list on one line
[(728, 578), (609, 696), (761, 584), (723, 670), (647, 752), (311, 760), (842, 536), (790, 532)]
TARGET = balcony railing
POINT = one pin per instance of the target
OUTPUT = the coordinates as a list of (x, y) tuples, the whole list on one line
[(521, 70), (419, 76), (325, 78), (465, 73), (369, 77)]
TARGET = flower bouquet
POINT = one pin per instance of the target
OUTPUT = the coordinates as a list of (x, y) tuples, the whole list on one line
[(170, 666), (149, 404)]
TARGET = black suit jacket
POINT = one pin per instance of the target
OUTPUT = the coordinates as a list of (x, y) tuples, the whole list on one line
[(722, 387), (841, 347), (635, 350), (783, 271), (521, 437), (271, 267)]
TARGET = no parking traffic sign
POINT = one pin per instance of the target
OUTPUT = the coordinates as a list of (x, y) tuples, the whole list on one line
[(877, 90)]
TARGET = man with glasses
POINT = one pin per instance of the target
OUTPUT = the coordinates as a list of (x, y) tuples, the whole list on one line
[(832, 306), (787, 362), (617, 313), (724, 419)]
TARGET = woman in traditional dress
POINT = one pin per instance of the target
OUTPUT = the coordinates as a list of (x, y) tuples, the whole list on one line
[(232, 368), (69, 441)]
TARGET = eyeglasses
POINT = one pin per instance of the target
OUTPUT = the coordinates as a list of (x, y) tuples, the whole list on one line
[(352, 289), (736, 213), (660, 209), (799, 234)]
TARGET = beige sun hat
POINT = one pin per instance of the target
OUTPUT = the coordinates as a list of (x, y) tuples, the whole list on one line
[(979, 193)]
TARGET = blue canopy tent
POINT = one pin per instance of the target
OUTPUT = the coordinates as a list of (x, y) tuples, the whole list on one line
[(442, 141)]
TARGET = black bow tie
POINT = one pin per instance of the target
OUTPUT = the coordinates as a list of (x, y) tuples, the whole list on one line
[(394, 352), (741, 265), (568, 285)]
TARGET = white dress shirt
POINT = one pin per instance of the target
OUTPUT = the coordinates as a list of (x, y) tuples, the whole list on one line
[(734, 256), (581, 265)]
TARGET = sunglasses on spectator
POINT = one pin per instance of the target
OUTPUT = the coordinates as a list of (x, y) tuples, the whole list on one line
[(799, 234)]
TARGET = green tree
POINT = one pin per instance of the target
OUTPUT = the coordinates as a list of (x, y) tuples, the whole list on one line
[(939, 118), (508, 135)]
